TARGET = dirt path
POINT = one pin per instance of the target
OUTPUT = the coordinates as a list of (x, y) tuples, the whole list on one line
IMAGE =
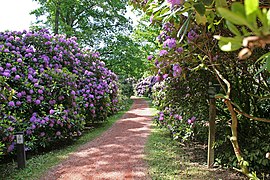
[(117, 154)]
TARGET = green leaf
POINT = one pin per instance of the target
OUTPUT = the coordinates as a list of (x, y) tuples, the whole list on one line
[(160, 7), (199, 7), (221, 3), (251, 9), (239, 9), (251, 6), (268, 64), (200, 19), (233, 28), (184, 28), (262, 15), (165, 12), (233, 17), (261, 69), (268, 17), (229, 43), (207, 2), (263, 57)]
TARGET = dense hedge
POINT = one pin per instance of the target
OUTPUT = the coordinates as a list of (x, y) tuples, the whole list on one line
[(50, 88)]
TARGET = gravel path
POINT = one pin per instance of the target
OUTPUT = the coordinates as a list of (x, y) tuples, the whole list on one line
[(117, 154)]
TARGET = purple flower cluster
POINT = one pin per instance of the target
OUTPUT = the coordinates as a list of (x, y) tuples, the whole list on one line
[(191, 120), (50, 85), (192, 35), (144, 87), (170, 43), (175, 2), (176, 70)]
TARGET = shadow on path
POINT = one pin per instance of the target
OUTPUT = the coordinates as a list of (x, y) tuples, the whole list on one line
[(117, 154)]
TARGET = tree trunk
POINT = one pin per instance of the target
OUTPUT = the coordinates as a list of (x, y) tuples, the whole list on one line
[(57, 14)]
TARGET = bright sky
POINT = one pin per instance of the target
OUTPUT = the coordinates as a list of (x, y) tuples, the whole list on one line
[(14, 14)]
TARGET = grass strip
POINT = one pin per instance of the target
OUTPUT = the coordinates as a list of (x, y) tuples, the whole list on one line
[(38, 165), (168, 159)]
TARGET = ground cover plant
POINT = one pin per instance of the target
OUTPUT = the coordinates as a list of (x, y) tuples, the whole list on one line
[(50, 88)]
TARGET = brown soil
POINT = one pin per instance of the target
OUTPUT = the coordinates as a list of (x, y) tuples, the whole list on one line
[(117, 154)]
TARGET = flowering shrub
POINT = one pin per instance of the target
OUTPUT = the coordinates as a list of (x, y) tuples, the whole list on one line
[(193, 24), (49, 88), (174, 98), (144, 87), (127, 86)]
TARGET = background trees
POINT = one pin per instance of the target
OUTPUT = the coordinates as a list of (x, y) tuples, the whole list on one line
[(101, 25)]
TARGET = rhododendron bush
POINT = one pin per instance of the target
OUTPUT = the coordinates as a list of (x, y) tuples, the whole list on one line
[(144, 86), (194, 36), (174, 98), (50, 88)]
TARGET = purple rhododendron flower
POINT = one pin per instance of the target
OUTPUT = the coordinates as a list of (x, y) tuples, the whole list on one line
[(175, 2), (11, 103), (18, 103), (33, 119), (95, 54), (150, 57), (51, 111), (58, 133), (6, 73), (163, 52), (171, 43), (8, 65), (191, 120), (19, 95), (10, 147), (180, 50), (37, 102), (165, 76), (28, 132), (42, 134), (13, 69), (19, 60), (176, 70), (17, 77), (40, 91), (192, 35), (73, 92)]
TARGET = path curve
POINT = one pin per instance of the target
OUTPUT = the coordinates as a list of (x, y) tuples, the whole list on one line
[(117, 154)]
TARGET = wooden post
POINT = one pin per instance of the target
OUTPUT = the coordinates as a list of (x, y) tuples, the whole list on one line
[(211, 134), (21, 157)]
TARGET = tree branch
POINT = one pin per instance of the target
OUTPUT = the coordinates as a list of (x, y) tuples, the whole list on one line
[(252, 117)]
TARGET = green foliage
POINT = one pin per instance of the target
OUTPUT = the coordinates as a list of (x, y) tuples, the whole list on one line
[(124, 56), (38, 165), (187, 46), (174, 98), (127, 86), (251, 16), (90, 21)]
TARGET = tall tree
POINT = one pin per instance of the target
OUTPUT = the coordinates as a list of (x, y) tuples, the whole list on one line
[(92, 22)]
